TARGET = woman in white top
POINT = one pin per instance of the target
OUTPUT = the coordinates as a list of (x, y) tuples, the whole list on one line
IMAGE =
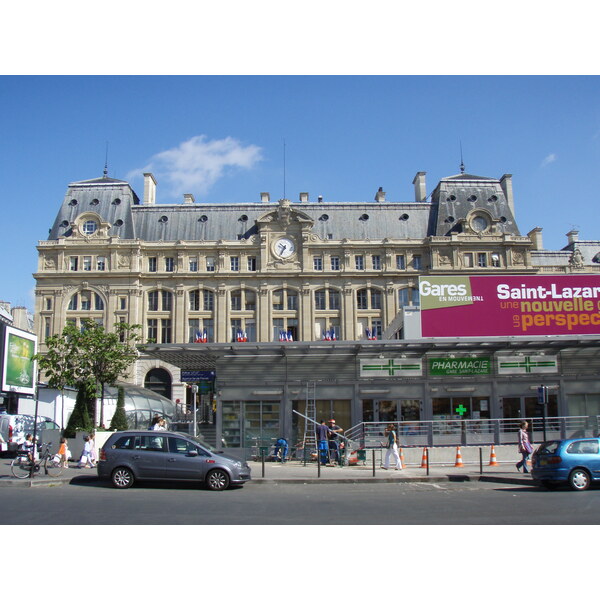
[(392, 448)]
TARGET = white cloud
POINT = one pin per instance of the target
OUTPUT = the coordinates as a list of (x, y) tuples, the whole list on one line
[(549, 159), (196, 164)]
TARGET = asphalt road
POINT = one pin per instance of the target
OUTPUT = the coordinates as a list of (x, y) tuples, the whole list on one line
[(448, 503)]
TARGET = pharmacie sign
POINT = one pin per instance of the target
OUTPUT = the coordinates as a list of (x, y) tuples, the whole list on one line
[(512, 305), (460, 366), (391, 367)]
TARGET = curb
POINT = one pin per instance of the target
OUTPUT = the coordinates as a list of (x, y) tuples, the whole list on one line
[(318, 481)]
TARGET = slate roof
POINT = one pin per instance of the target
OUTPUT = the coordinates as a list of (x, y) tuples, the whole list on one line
[(116, 203)]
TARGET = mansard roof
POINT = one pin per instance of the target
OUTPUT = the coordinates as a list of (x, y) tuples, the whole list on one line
[(116, 203)]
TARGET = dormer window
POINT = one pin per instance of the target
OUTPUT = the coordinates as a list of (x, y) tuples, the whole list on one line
[(90, 227)]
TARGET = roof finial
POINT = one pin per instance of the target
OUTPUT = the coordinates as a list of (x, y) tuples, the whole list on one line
[(106, 162), (462, 165)]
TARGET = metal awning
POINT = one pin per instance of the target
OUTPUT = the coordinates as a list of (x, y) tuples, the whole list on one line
[(206, 356)]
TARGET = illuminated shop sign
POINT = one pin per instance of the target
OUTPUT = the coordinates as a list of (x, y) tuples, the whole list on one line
[(391, 367), (509, 306), (459, 366)]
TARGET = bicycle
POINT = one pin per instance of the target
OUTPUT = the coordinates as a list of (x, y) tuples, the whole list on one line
[(21, 466)]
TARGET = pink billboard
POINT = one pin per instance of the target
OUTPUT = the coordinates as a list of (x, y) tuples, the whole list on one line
[(509, 305)]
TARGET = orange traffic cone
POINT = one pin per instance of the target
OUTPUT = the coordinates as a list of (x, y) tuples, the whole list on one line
[(401, 457), (459, 462), (493, 462), (424, 459)]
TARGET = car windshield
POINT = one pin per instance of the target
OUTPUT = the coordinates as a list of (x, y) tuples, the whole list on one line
[(549, 447)]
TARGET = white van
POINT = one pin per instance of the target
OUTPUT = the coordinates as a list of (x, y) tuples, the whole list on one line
[(14, 429)]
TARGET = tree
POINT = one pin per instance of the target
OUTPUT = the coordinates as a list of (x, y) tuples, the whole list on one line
[(59, 362), (105, 356), (80, 418), (90, 355), (119, 420)]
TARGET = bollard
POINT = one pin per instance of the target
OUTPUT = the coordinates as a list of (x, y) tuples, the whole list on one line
[(263, 464), (427, 454), (480, 461), (373, 463), (319, 463)]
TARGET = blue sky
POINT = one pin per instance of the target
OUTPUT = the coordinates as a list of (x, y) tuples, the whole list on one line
[(222, 138)]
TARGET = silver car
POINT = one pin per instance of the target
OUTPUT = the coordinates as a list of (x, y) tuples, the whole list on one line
[(167, 455)]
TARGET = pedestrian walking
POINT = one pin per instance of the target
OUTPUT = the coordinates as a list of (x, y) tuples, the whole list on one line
[(525, 447), (392, 448), (93, 449), (63, 452), (86, 459)]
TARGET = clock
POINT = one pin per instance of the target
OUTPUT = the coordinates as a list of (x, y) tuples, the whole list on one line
[(284, 248)]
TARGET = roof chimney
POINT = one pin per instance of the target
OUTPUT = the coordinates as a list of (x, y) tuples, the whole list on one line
[(380, 195), (507, 188), (420, 188), (535, 235), (264, 197), (320, 199), (188, 199), (303, 196), (149, 189), (573, 236)]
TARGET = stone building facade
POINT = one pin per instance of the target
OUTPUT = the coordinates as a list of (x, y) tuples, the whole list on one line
[(311, 270)]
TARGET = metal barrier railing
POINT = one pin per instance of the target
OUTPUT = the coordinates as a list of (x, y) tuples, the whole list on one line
[(472, 432)]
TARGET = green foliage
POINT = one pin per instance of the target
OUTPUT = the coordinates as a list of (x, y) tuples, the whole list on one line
[(60, 361), (119, 420), (90, 355), (80, 418)]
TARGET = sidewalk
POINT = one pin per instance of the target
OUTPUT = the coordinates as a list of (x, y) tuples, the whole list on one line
[(297, 473)]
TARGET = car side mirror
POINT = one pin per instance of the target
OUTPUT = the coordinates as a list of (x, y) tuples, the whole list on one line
[(193, 453)]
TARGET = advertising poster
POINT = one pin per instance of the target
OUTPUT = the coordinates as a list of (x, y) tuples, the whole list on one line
[(18, 370), (516, 305)]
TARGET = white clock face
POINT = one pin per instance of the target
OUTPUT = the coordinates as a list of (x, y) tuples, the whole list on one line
[(284, 248)]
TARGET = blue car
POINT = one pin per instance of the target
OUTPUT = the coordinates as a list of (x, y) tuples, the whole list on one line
[(575, 461)]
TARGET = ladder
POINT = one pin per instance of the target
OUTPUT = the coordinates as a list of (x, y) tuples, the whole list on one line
[(309, 441)]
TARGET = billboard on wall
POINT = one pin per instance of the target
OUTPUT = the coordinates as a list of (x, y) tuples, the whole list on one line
[(18, 368), (497, 305)]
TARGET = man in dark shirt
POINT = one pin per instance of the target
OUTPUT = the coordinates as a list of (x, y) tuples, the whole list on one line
[(334, 442), (323, 441)]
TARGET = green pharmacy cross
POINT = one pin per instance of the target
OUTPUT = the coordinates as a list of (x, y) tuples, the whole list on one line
[(461, 410)]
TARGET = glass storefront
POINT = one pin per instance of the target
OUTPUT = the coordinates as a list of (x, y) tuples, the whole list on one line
[(250, 424), (325, 409), (387, 410)]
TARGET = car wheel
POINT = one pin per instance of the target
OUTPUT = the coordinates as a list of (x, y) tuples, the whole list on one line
[(217, 480), (579, 480), (122, 478)]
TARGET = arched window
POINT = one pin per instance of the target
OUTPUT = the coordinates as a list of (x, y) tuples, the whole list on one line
[(284, 299), (86, 300), (408, 297), (160, 300), (367, 298), (327, 299), (159, 381)]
